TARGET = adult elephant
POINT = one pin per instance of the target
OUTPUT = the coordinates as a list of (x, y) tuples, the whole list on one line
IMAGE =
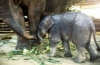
[(6, 14), (36, 10)]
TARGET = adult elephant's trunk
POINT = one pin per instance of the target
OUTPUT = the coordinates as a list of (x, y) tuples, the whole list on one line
[(7, 17), (16, 27)]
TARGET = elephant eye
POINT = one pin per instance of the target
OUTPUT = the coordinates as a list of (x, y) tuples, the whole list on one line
[(41, 25)]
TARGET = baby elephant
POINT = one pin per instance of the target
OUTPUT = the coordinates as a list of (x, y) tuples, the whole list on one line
[(72, 26)]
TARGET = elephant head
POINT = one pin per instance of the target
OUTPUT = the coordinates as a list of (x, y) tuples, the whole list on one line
[(44, 26), (7, 17)]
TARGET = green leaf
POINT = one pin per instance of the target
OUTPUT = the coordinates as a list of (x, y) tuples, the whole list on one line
[(53, 61), (26, 58), (35, 58), (42, 63)]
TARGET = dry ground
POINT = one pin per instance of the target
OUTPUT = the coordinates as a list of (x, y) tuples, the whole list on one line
[(26, 60)]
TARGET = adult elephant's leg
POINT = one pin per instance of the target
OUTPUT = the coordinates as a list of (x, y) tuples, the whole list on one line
[(34, 12), (21, 42)]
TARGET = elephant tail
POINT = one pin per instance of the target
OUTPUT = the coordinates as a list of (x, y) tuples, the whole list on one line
[(94, 37), (98, 48)]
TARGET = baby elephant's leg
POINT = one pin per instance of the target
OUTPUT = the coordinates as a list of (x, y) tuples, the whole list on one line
[(53, 45), (80, 58), (92, 51), (66, 48)]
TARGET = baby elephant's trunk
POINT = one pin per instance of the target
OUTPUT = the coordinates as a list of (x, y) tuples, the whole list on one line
[(40, 37)]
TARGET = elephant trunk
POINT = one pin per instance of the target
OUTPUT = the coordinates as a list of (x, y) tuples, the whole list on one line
[(11, 22), (7, 16), (40, 37)]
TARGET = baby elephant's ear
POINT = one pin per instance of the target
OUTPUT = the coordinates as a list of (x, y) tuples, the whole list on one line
[(49, 23)]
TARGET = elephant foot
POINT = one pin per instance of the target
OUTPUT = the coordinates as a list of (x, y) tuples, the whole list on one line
[(51, 54), (79, 60), (68, 55), (94, 58), (23, 44), (35, 42)]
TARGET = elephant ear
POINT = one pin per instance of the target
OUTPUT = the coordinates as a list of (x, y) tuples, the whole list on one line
[(49, 22)]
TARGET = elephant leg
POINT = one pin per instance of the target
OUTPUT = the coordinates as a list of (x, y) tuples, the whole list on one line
[(33, 30), (92, 51), (33, 23), (80, 58), (35, 10), (22, 42), (54, 40), (53, 45), (67, 48)]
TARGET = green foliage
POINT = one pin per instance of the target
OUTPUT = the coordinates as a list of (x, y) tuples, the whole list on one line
[(72, 46), (67, 4), (42, 60), (12, 53), (53, 60), (44, 48), (38, 50), (61, 49), (35, 58)]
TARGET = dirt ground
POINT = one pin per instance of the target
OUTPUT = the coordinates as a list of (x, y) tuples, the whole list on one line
[(26, 60)]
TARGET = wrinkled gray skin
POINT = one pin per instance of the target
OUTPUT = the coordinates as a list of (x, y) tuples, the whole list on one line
[(72, 26), (35, 10), (6, 14)]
